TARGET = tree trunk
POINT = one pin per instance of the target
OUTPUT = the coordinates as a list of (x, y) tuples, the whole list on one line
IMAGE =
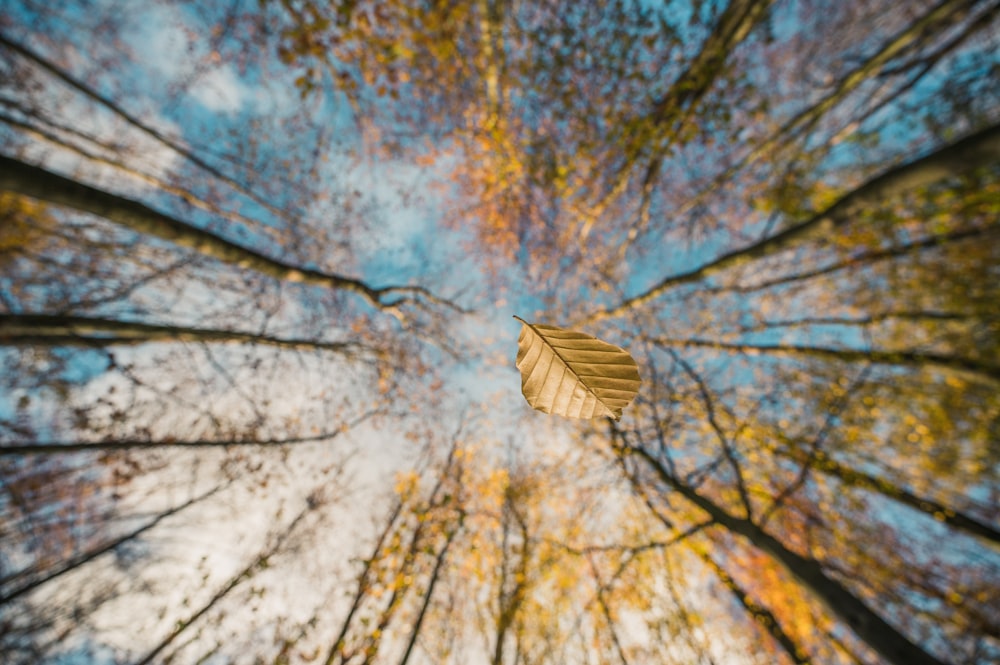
[(59, 330), (86, 557), (854, 478), (37, 183), (60, 447), (875, 356), (974, 151), (891, 644), (235, 581), (763, 616)]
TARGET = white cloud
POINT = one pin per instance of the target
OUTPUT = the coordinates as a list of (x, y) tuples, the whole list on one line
[(163, 38), (221, 90)]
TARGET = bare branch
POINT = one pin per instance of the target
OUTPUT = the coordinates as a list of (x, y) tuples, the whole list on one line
[(38, 183), (973, 151)]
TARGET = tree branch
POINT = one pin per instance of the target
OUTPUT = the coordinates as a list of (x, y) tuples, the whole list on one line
[(38, 183), (874, 356), (895, 647), (86, 557), (58, 447), (851, 477), (58, 330), (976, 150)]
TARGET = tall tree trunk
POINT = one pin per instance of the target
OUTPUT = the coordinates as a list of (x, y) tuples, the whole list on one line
[(362, 587), (677, 105), (60, 447), (43, 185), (875, 356), (974, 151), (439, 561), (763, 616), (40, 184), (891, 644), (854, 478), (61, 330), (233, 582), (86, 557), (940, 17), (57, 71), (936, 20)]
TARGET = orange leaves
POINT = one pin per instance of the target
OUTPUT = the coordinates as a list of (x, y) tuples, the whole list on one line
[(407, 483), (449, 73), (385, 45)]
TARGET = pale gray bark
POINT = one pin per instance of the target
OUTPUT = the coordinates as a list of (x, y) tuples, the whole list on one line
[(59, 330), (38, 183), (974, 151)]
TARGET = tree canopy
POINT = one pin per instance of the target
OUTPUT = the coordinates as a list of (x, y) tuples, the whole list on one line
[(258, 395)]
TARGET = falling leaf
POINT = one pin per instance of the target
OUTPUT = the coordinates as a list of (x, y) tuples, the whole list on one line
[(572, 374)]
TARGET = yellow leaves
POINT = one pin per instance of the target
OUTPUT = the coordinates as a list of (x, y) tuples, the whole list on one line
[(407, 483), (400, 51), (23, 222), (955, 381), (823, 196)]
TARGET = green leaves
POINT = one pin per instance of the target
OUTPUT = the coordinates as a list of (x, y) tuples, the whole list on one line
[(572, 374)]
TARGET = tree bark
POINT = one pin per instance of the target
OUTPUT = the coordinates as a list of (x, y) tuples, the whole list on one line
[(61, 447), (86, 557), (974, 151), (854, 478), (891, 644), (38, 183), (60, 330), (875, 356)]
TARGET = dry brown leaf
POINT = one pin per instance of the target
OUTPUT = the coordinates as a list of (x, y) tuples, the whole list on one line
[(572, 374)]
